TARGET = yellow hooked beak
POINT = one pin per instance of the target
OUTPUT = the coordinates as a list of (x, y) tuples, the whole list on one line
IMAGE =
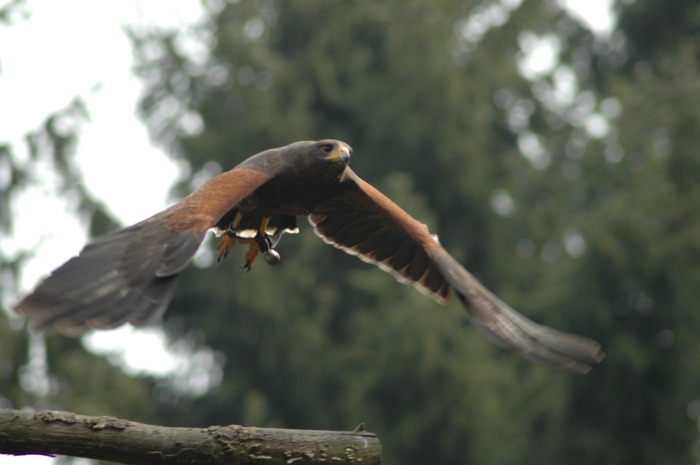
[(340, 153)]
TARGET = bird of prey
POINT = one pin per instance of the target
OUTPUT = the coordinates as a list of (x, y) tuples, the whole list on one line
[(129, 275)]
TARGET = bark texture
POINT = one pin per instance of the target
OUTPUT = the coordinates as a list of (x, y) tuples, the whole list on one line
[(123, 441)]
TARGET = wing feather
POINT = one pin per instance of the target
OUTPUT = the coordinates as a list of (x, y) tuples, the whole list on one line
[(364, 222), (129, 275)]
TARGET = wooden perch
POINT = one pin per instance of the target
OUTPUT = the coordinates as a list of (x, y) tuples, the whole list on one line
[(108, 438)]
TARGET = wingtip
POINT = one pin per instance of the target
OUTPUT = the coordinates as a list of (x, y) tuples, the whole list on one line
[(578, 348), (509, 329), (583, 365), (597, 354), (562, 361)]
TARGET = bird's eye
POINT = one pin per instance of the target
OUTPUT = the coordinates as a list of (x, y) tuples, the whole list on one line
[(327, 148)]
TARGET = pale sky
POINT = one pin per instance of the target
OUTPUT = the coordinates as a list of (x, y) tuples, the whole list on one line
[(70, 48), (62, 50)]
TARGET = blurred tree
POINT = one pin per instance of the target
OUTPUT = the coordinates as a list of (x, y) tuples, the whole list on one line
[(324, 340), (532, 175), (621, 158), (642, 230), (570, 189)]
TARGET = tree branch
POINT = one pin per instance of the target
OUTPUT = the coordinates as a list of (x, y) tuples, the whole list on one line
[(108, 438)]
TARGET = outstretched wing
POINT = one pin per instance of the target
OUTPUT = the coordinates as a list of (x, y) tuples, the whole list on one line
[(364, 222), (129, 275)]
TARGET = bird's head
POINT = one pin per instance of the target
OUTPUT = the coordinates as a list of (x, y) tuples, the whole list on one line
[(334, 151), (311, 152), (323, 159)]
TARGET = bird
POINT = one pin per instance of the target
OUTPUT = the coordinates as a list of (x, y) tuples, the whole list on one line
[(129, 275)]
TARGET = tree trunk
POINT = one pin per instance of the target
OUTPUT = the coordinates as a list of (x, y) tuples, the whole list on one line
[(108, 438)]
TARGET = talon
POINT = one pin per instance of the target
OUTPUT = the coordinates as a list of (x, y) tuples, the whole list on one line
[(229, 239), (224, 246), (251, 254), (260, 243)]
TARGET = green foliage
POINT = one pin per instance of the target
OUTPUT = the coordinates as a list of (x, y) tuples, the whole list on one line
[(324, 340), (590, 230), (595, 232)]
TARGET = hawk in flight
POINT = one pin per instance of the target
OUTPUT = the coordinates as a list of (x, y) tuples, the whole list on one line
[(129, 275)]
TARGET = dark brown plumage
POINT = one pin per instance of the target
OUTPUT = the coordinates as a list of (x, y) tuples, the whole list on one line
[(129, 275)]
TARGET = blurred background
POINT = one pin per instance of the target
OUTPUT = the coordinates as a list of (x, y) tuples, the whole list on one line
[(554, 150)]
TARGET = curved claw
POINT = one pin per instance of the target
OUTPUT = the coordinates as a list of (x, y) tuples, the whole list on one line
[(226, 244)]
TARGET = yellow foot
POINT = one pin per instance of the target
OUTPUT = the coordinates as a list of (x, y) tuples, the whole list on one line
[(252, 253), (226, 244)]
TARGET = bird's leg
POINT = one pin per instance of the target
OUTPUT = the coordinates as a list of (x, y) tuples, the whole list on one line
[(225, 245), (265, 244), (260, 243), (251, 254), (229, 239)]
